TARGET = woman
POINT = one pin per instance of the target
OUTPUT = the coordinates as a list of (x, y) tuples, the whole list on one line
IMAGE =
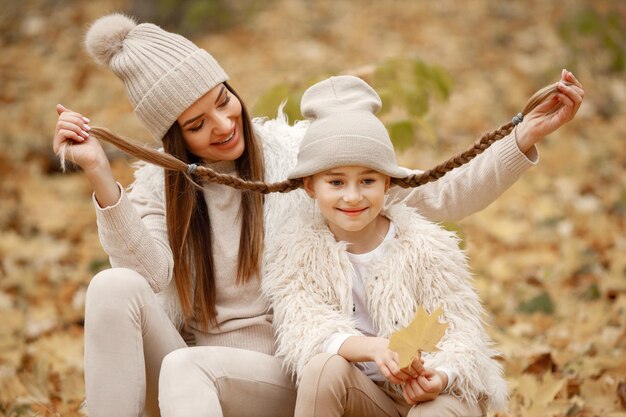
[(200, 248)]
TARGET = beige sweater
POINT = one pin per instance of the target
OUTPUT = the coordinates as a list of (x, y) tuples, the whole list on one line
[(133, 232)]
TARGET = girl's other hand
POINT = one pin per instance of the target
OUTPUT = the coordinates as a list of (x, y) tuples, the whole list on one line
[(426, 387), (415, 368)]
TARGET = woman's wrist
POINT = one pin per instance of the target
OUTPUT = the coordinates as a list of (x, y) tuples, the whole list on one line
[(105, 188), (525, 141)]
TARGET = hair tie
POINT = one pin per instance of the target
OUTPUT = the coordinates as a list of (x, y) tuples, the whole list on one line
[(518, 119), (191, 168)]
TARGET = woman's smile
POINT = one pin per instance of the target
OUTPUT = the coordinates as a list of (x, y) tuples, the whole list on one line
[(229, 142)]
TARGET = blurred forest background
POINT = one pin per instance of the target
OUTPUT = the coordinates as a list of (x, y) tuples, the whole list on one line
[(549, 256)]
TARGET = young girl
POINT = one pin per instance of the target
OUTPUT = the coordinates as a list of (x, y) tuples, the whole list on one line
[(200, 249), (343, 279)]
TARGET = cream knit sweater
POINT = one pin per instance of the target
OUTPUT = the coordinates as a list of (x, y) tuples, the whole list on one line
[(133, 232)]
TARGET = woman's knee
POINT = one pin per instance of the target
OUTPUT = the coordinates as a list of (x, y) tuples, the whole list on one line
[(175, 363), (191, 362), (114, 287), (116, 282)]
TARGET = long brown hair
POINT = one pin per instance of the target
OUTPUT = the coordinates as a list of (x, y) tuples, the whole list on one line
[(187, 216)]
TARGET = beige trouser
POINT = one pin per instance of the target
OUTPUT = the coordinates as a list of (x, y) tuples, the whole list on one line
[(127, 337), (246, 383), (332, 387)]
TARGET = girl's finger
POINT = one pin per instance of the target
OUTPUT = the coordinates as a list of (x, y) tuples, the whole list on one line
[(410, 392), (409, 395), (397, 372), (389, 375)]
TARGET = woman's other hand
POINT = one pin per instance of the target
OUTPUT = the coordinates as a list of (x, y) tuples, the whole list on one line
[(553, 113), (73, 143)]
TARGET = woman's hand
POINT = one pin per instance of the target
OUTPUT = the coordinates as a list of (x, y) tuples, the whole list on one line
[(427, 386), (71, 137), (73, 143), (553, 113)]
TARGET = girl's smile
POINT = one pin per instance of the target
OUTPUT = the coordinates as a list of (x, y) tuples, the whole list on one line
[(350, 199), (352, 211)]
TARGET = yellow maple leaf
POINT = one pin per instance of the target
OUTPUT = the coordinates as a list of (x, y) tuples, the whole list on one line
[(421, 335)]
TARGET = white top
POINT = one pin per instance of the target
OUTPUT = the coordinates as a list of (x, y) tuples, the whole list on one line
[(361, 315)]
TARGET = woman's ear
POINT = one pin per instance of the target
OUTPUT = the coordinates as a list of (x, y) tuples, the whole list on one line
[(306, 185)]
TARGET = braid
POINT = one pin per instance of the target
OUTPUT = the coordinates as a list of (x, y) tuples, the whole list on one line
[(433, 174), (211, 175), (169, 162), (488, 139)]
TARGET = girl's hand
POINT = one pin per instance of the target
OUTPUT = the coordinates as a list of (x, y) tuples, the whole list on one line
[(551, 114), (415, 368), (72, 138), (387, 362), (427, 386)]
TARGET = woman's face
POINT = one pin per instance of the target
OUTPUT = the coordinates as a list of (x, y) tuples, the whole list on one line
[(212, 126)]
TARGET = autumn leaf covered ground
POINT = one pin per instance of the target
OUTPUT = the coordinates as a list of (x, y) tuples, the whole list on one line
[(549, 256)]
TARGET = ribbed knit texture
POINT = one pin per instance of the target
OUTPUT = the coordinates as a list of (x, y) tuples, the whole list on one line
[(164, 73), (344, 129)]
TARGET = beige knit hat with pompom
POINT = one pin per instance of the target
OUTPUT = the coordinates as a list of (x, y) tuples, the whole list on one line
[(164, 73)]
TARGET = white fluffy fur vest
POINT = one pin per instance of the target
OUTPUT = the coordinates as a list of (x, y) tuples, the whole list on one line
[(308, 279)]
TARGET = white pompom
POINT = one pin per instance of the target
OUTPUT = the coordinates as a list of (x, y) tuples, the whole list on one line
[(105, 36)]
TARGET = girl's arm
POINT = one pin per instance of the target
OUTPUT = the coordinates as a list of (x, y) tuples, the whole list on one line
[(376, 349)]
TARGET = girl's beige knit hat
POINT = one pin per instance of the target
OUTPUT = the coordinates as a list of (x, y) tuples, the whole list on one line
[(344, 129), (164, 73)]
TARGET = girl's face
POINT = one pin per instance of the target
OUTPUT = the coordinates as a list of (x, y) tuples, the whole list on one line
[(212, 126), (350, 199)]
